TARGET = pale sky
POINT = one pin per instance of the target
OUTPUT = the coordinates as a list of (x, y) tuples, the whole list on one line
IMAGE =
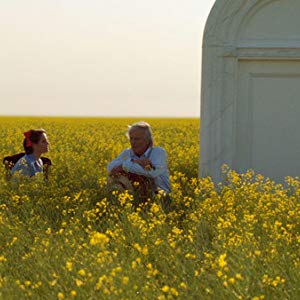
[(101, 57)]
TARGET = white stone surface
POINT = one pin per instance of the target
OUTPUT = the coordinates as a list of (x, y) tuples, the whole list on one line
[(250, 97)]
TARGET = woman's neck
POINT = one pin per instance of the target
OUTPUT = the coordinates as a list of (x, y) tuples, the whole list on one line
[(37, 155)]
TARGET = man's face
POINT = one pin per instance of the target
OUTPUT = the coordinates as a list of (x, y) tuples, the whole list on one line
[(138, 142)]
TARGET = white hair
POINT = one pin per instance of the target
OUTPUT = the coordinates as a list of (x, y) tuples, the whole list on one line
[(142, 125)]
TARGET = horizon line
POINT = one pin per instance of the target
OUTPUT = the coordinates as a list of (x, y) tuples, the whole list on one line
[(98, 116)]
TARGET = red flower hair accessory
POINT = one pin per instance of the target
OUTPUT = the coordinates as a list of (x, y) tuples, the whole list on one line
[(27, 136)]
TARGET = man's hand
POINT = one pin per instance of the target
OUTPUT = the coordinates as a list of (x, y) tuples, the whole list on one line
[(116, 170)]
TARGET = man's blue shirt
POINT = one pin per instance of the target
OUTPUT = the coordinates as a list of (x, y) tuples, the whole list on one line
[(158, 158)]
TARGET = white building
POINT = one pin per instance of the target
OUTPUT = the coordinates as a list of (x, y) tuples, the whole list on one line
[(250, 98)]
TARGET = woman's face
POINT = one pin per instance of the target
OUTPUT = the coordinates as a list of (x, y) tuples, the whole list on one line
[(42, 146)]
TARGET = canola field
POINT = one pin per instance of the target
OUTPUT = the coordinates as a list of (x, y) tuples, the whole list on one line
[(63, 239)]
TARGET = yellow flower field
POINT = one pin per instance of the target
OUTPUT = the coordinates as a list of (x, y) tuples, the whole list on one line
[(63, 239)]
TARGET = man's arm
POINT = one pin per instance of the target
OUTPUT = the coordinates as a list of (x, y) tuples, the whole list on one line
[(145, 163), (158, 160), (115, 166)]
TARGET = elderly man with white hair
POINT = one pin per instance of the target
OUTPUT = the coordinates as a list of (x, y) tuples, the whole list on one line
[(143, 163)]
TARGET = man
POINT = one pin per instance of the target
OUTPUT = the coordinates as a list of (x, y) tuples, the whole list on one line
[(143, 167)]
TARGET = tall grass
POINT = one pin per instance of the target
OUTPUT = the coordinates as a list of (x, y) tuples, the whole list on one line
[(63, 239)]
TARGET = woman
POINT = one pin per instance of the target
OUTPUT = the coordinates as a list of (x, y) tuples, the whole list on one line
[(35, 144)]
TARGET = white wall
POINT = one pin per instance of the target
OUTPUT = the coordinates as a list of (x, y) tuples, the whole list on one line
[(250, 98)]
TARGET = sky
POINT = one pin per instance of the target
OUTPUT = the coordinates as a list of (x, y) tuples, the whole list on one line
[(106, 58)]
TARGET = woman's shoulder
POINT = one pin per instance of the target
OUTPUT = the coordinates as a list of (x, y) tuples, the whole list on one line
[(20, 165), (22, 161)]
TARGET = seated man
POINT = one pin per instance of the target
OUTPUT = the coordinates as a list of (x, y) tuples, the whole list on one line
[(141, 168)]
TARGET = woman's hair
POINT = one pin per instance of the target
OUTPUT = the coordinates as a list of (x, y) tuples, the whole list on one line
[(144, 126), (32, 136)]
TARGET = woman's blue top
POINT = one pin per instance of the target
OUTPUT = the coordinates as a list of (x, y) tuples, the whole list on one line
[(28, 165)]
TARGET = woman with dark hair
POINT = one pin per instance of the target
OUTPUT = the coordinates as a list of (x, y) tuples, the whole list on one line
[(35, 144)]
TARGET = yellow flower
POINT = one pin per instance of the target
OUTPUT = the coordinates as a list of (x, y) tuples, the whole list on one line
[(60, 296), (78, 282), (174, 292), (165, 288), (145, 250), (219, 273), (177, 231), (81, 272), (13, 240), (134, 264), (69, 266), (53, 282), (189, 255), (125, 280), (154, 208), (257, 252), (231, 280), (73, 293), (222, 260), (97, 238), (183, 285), (158, 242)]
